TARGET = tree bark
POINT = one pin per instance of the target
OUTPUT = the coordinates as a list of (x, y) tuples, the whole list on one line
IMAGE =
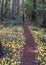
[(2, 9), (44, 14), (33, 13), (14, 9)]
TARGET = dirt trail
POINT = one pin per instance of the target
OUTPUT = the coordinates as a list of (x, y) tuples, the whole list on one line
[(29, 49)]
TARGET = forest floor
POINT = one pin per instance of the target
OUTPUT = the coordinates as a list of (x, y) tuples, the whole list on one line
[(14, 42)]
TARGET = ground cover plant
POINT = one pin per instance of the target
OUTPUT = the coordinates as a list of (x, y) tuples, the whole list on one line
[(13, 42), (40, 40)]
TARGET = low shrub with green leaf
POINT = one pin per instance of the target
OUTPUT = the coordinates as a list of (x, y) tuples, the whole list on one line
[(13, 42), (40, 40)]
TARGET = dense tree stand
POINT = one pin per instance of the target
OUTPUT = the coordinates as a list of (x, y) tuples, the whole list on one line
[(29, 49)]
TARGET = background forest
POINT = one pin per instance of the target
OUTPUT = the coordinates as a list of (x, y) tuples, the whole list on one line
[(33, 10)]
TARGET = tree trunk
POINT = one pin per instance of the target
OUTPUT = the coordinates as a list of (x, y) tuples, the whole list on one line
[(23, 10), (2, 9), (14, 9), (44, 14), (17, 6), (33, 13), (6, 9)]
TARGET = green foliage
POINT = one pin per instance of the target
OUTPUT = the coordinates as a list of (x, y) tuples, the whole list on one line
[(13, 42), (28, 6), (40, 40)]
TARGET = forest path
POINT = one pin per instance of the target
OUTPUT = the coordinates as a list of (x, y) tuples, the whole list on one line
[(29, 49)]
